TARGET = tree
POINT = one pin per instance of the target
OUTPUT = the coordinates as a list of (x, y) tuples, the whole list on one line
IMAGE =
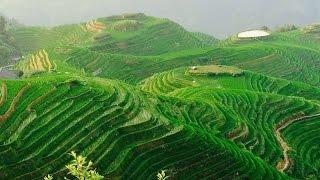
[(2, 25), (265, 28), (286, 28), (4, 32)]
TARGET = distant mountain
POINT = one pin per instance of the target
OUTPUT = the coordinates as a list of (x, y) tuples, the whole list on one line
[(132, 34)]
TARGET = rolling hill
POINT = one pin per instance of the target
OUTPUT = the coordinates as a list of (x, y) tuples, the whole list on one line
[(292, 55), (137, 94), (126, 132), (226, 77)]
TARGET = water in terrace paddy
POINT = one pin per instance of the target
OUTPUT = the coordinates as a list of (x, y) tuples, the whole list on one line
[(8, 74)]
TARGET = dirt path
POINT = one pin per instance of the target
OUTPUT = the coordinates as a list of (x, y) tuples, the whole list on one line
[(4, 67), (285, 162)]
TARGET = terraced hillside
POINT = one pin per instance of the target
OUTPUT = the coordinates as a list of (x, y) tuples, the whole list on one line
[(265, 108), (196, 107), (146, 45), (134, 34), (291, 55), (225, 77), (31, 39), (125, 132), (266, 127), (37, 63)]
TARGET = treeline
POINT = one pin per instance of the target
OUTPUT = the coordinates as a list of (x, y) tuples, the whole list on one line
[(8, 48)]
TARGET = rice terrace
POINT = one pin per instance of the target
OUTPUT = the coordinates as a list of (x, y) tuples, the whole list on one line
[(141, 96)]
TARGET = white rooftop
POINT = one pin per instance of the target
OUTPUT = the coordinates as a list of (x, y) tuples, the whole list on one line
[(253, 33)]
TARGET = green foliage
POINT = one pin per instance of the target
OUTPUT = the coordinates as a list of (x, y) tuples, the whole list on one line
[(126, 25), (3, 23), (81, 169), (7, 43), (48, 177), (313, 28), (162, 175)]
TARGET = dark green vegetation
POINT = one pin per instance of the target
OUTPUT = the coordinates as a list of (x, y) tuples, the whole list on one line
[(179, 101), (8, 49)]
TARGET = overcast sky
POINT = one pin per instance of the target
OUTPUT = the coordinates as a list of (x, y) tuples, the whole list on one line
[(220, 18)]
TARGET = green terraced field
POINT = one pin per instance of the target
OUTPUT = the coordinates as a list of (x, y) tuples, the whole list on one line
[(124, 131), (170, 81), (137, 94)]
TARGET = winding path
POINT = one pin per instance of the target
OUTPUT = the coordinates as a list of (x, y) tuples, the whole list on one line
[(285, 162)]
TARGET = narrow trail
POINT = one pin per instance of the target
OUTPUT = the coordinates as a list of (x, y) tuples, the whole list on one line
[(4, 67), (285, 162)]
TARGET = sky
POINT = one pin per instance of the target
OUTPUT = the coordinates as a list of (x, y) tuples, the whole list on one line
[(220, 18)]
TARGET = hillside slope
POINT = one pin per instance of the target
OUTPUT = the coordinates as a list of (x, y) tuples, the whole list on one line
[(290, 55), (225, 77), (199, 108), (267, 109), (132, 34), (132, 47), (127, 134)]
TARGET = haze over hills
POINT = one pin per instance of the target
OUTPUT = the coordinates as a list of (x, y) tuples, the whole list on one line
[(218, 18), (137, 94)]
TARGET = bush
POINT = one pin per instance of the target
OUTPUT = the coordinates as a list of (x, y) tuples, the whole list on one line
[(102, 37), (265, 28), (286, 28), (133, 15), (80, 169), (126, 25), (313, 28)]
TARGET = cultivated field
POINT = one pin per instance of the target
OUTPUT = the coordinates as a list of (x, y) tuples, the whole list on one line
[(138, 95)]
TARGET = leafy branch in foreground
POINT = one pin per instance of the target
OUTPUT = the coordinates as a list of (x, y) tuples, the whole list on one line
[(162, 175), (80, 169)]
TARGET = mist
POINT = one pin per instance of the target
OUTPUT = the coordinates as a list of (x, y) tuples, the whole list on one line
[(220, 18)]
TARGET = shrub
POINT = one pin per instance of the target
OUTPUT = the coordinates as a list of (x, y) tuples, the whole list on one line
[(102, 37), (80, 169), (286, 28), (133, 15), (162, 175), (313, 28), (265, 28), (126, 25)]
